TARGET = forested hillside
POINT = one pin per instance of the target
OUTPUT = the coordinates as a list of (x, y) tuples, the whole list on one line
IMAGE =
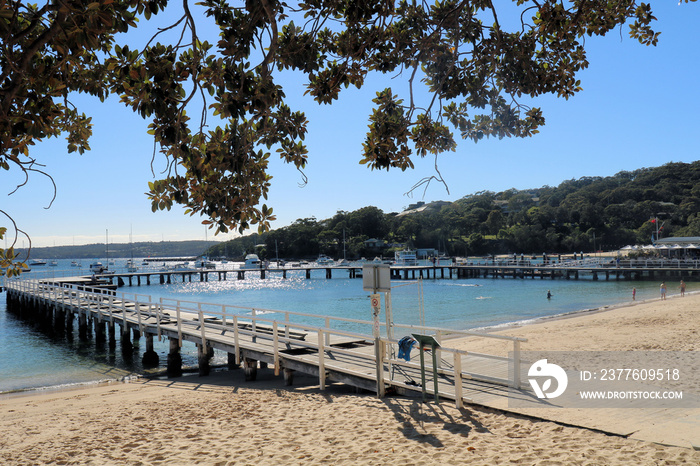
[(138, 249), (585, 214)]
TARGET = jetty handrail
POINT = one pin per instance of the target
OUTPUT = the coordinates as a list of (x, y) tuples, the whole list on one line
[(265, 310)]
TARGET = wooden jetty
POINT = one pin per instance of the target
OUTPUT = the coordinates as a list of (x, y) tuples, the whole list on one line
[(255, 338), (288, 342), (573, 270)]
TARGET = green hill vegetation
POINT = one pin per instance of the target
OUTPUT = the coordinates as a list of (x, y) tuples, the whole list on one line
[(140, 249), (585, 214)]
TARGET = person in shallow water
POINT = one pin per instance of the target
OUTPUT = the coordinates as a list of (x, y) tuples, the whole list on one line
[(549, 294)]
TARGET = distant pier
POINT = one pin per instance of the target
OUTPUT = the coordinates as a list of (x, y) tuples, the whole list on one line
[(593, 271)]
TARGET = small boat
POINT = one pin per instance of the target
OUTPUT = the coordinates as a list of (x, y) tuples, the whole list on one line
[(37, 262), (205, 263), (97, 267), (324, 260), (53, 263), (405, 257), (131, 266), (74, 264), (252, 261)]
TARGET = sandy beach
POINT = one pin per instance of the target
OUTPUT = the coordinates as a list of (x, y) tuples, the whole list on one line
[(222, 419)]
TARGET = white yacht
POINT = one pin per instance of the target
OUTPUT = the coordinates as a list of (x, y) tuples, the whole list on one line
[(252, 261)]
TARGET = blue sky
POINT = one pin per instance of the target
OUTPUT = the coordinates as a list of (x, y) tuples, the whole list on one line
[(638, 108)]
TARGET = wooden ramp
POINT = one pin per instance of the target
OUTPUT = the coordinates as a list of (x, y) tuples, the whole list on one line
[(285, 343)]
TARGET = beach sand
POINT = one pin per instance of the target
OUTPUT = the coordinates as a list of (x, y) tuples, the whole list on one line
[(221, 419)]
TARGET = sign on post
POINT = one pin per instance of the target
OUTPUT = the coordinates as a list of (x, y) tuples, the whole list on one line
[(376, 277)]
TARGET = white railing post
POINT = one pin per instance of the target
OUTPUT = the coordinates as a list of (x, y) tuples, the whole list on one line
[(235, 339), (138, 315), (201, 326), (321, 361), (516, 364), (179, 324), (328, 333), (124, 315), (458, 380), (111, 304), (159, 311), (275, 345)]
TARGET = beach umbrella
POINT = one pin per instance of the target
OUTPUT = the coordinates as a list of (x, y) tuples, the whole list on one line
[(628, 247), (692, 246), (676, 246)]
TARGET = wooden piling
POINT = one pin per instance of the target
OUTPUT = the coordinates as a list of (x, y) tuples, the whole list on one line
[(174, 364), (150, 357), (250, 366)]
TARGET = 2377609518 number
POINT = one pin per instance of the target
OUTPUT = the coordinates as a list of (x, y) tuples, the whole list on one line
[(639, 374)]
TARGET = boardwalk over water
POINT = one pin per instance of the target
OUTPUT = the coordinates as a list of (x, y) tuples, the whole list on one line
[(286, 342), (591, 269)]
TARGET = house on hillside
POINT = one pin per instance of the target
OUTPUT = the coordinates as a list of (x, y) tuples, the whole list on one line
[(374, 243)]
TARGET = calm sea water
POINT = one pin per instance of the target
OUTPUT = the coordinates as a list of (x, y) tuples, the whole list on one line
[(30, 359)]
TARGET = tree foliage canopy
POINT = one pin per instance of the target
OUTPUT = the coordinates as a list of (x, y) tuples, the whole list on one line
[(474, 72)]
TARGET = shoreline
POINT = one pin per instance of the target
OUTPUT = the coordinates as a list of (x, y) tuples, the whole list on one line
[(568, 315), (672, 325)]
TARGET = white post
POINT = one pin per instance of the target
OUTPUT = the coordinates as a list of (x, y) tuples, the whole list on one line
[(275, 345), (389, 329), (124, 311), (321, 361), (235, 338), (138, 316), (179, 324), (458, 380), (159, 310), (201, 326), (516, 364), (376, 306)]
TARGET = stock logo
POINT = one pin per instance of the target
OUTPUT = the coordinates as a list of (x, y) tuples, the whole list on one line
[(544, 370)]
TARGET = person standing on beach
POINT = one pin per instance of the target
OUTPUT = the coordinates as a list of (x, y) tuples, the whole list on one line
[(663, 290), (682, 287), (634, 293)]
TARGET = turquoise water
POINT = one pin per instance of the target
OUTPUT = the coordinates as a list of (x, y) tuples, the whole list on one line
[(31, 359)]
